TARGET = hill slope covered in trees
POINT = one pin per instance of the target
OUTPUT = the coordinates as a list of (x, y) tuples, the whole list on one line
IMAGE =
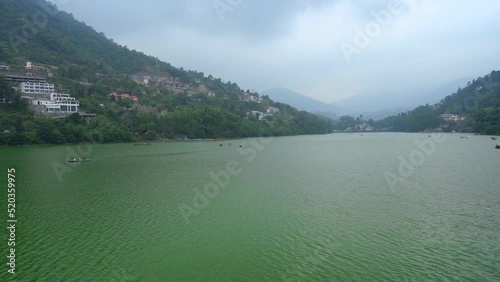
[(478, 104), (89, 66)]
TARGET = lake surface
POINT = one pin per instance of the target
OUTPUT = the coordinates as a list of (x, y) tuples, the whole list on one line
[(307, 208)]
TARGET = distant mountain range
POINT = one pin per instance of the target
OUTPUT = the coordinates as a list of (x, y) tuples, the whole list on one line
[(304, 102), (333, 111), (409, 98), (370, 106)]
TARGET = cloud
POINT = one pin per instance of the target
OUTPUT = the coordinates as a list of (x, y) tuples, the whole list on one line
[(296, 44)]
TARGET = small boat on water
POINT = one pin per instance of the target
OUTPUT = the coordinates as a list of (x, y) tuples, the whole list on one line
[(493, 138), (79, 160), (497, 147)]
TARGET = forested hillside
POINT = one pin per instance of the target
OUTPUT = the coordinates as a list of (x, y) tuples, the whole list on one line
[(89, 66), (478, 104)]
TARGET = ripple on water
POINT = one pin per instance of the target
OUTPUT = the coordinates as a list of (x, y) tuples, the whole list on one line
[(306, 209)]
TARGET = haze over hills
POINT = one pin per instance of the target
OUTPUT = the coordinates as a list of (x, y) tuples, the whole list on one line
[(410, 53), (370, 106), (304, 102), (403, 99), (170, 102)]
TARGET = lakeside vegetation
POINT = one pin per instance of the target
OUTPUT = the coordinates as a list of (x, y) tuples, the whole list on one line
[(121, 121), (478, 103), (89, 66)]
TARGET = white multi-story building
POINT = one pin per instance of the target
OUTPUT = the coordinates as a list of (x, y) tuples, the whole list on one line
[(62, 103), (37, 88), (58, 103)]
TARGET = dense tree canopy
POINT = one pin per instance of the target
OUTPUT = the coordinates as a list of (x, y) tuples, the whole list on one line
[(478, 102), (75, 53)]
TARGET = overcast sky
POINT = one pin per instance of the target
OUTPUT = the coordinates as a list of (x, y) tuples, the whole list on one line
[(326, 49)]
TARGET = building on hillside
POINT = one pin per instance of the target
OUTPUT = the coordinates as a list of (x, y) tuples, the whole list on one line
[(37, 88), (272, 110), (245, 97), (259, 114), (451, 117), (56, 103), (101, 76), (4, 66), (174, 84), (23, 78), (33, 66), (40, 100), (67, 107), (124, 96)]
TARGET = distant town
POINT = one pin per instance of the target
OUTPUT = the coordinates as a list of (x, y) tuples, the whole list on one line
[(46, 100)]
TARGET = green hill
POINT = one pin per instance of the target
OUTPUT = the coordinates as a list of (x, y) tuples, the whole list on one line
[(475, 108), (172, 102), (478, 104), (38, 31)]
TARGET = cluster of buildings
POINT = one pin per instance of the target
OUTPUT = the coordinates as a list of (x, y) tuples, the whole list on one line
[(262, 115), (245, 97), (124, 96), (43, 94), (451, 117), (58, 103), (33, 66), (174, 84), (153, 78), (364, 127), (30, 73), (33, 86), (163, 80), (4, 66)]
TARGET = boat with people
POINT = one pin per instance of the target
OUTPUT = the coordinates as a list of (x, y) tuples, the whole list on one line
[(79, 160)]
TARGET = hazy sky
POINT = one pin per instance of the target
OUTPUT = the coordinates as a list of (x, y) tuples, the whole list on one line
[(326, 49)]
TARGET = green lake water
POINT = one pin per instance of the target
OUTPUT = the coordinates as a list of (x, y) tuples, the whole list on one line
[(307, 208)]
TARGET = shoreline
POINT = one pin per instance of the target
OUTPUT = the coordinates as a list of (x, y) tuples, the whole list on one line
[(165, 140)]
